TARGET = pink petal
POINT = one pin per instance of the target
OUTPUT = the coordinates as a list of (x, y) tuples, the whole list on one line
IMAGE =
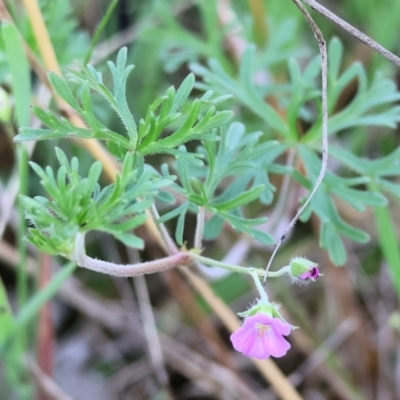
[(282, 327), (256, 349), (252, 342), (250, 322), (304, 276), (313, 273), (240, 337), (275, 343)]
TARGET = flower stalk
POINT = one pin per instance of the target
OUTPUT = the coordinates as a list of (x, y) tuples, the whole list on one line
[(259, 286), (241, 270)]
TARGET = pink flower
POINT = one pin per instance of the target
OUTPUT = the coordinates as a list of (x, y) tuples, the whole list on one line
[(312, 274), (261, 336)]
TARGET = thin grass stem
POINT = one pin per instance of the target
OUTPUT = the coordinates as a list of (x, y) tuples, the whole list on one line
[(324, 77)]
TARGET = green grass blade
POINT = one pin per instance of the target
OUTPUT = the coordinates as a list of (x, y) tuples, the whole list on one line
[(7, 322), (21, 88), (388, 242), (14, 371), (34, 305), (100, 29), (19, 68)]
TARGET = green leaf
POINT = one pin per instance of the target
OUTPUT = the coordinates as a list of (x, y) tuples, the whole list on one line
[(198, 187), (173, 213), (262, 237), (213, 227), (120, 75), (132, 223), (78, 204), (355, 234), (331, 241), (384, 166), (183, 170), (216, 78), (62, 89), (167, 198), (240, 200), (196, 199), (359, 198), (180, 226), (182, 93), (116, 149), (393, 188), (335, 55), (93, 176), (130, 240)]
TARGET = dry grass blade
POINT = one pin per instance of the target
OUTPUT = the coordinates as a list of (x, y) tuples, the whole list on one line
[(45, 383), (354, 31), (150, 330), (210, 376)]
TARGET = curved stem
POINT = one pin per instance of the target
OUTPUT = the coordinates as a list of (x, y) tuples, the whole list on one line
[(324, 75), (150, 267), (128, 270), (354, 31)]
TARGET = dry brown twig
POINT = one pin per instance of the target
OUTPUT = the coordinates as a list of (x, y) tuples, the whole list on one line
[(45, 383), (150, 330), (354, 31)]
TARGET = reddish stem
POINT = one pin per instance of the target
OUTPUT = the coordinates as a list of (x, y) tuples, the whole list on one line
[(45, 339)]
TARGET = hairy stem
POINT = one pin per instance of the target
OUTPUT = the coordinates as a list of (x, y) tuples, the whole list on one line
[(128, 270), (150, 267)]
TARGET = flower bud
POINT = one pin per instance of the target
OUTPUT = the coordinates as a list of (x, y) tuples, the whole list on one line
[(304, 269)]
